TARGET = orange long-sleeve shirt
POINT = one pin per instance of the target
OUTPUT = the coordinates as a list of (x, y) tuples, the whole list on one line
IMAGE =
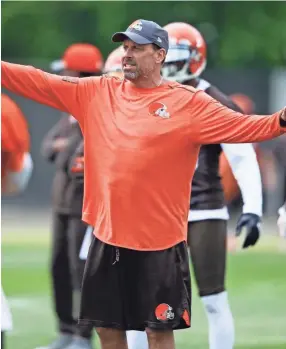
[(141, 147)]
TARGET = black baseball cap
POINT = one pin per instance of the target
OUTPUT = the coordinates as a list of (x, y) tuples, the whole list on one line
[(144, 32)]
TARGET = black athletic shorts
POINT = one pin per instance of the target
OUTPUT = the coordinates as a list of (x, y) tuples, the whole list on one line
[(132, 290)]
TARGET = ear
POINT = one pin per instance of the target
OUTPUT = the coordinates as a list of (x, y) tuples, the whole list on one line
[(160, 56)]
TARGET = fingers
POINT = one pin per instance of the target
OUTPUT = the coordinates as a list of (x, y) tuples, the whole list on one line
[(251, 237)]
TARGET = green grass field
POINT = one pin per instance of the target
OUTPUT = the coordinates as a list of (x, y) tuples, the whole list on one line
[(256, 283)]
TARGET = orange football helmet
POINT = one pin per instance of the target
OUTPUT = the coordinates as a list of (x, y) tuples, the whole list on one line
[(186, 58), (80, 57), (113, 62)]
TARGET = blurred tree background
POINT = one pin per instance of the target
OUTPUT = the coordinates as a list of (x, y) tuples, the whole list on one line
[(240, 34)]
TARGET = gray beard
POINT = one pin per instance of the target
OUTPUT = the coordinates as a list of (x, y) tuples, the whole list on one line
[(138, 73), (131, 75)]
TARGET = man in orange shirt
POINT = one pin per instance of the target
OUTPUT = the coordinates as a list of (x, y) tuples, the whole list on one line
[(16, 170), (142, 138)]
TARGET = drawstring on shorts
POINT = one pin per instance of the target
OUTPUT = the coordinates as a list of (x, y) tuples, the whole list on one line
[(117, 255)]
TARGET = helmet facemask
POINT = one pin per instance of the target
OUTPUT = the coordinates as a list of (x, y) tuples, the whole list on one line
[(178, 63)]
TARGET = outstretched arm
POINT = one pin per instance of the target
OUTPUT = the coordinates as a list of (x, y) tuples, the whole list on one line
[(215, 123), (70, 95)]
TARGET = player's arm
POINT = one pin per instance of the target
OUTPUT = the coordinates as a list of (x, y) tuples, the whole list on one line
[(244, 165), (245, 168), (54, 142), (18, 173), (243, 162), (213, 123), (70, 95)]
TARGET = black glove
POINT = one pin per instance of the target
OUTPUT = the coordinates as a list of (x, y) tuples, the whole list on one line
[(250, 221)]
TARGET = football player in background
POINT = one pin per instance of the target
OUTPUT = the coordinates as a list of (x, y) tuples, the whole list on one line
[(16, 170), (207, 228)]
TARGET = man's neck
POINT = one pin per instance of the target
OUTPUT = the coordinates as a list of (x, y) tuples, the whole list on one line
[(148, 82)]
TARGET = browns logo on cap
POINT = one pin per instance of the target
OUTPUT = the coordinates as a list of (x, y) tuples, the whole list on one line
[(137, 25)]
